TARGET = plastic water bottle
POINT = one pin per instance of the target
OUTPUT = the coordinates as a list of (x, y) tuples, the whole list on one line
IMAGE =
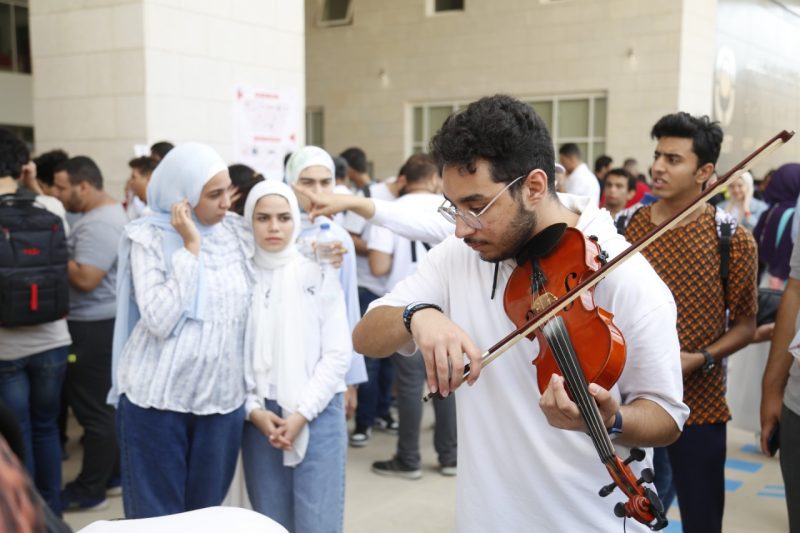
[(326, 244), (325, 251)]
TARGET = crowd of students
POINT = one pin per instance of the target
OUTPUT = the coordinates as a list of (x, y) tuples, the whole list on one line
[(207, 323)]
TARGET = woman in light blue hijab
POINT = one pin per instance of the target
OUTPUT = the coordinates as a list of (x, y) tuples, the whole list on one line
[(178, 359)]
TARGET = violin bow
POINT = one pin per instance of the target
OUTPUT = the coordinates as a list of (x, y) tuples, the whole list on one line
[(596, 277)]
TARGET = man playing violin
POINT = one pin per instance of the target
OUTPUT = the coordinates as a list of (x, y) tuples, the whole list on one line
[(518, 469), (688, 259)]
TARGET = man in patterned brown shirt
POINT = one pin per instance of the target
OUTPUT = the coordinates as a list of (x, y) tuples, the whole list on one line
[(687, 258)]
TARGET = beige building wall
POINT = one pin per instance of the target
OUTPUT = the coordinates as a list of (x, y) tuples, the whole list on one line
[(197, 51), (366, 75), (110, 74)]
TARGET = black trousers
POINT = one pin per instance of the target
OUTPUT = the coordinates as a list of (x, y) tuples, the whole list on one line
[(87, 383), (790, 464), (698, 470)]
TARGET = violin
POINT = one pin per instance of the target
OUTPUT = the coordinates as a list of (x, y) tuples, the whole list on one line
[(539, 308), (582, 344)]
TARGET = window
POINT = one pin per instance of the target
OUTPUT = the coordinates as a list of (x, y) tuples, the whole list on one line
[(335, 12), (315, 127), (15, 50), (580, 119), (448, 5), (23, 132)]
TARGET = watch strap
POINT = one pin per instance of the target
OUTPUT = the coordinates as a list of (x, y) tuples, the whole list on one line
[(412, 308), (616, 429), (708, 361)]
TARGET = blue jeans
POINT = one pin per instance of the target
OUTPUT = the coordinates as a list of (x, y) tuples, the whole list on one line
[(31, 388), (309, 497), (374, 396), (175, 462)]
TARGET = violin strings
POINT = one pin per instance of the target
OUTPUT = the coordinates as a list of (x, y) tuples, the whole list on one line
[(591, 412), (559, 349), (567, 367), (565, 355)]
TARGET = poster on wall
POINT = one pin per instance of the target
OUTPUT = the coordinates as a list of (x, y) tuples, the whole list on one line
[(266, 128)]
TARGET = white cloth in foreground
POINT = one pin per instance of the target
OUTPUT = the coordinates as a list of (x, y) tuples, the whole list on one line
[(208, 520)]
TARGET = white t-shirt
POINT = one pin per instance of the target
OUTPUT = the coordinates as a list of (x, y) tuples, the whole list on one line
[(404, 261), (583, 183), (532, 476), (357, 225)]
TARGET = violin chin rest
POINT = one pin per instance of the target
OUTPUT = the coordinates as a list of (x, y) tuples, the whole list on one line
[(542, 243)]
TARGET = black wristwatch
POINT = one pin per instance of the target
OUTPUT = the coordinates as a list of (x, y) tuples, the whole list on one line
[(709, 362), (412, 308)]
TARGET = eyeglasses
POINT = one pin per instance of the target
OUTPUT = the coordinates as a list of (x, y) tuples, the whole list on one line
[(451, 212)]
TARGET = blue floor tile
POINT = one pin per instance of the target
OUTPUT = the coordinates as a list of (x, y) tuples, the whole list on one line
[(744, 466), (674, 526), (751, 448), (774, 487), (780, 495), (732, 485)]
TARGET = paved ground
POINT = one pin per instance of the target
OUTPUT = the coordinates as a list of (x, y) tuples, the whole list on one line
[(755, 499)]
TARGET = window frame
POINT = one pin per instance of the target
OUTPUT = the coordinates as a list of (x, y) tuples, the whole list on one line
[(11, 5), (310, 111), (346, 21), (590, 140), (430, 9)]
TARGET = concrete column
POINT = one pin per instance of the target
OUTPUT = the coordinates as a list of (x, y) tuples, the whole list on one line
[(89, 80), (109, 74), (697, 51)]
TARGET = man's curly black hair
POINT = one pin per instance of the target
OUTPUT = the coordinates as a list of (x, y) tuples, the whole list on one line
[(13, 154), (502, 130)]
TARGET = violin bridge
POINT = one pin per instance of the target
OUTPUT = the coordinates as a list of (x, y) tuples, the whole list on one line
[(541, 301)]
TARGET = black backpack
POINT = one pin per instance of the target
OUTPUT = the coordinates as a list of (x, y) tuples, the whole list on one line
[(34, 284)]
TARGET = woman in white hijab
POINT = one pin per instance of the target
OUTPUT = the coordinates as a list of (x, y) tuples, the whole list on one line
[(299, 350), (178, 358)]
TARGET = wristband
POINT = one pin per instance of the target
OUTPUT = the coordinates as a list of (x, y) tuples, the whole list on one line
[(412, 308), (616, 430)]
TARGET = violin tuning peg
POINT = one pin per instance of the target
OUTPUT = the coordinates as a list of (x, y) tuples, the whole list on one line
[(655, 501), (637, 454), (608, 489), (619, 510), (647, 476)]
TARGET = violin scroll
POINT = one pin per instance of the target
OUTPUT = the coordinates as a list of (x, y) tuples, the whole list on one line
[(643, 503)]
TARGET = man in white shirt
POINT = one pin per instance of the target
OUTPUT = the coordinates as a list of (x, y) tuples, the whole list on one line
[(374, 396), (579, 179), (397, 257), (533, 466)]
